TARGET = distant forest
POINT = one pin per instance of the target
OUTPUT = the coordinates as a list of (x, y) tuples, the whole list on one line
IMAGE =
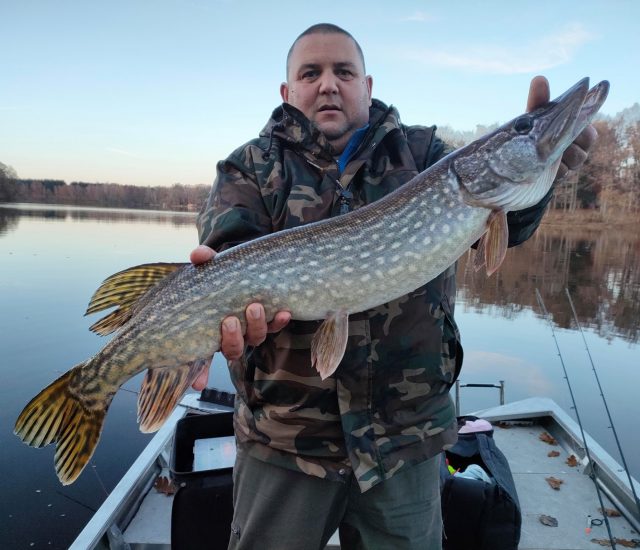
[(609, 182), (111, 195)]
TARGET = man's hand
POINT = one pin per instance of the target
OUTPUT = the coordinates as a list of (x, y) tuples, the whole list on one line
[(233, 340), (578, 151)]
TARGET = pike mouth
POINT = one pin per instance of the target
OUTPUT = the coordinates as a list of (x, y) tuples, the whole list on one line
[(596, 96), (558, 121), (567, 116)]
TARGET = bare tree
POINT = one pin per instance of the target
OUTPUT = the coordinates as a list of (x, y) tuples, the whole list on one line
[(8, 179)]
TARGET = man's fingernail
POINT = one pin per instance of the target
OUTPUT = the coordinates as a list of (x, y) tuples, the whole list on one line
[(254, 312), (231, 324)]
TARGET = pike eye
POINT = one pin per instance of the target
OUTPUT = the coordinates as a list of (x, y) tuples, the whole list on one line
[(523, 124)]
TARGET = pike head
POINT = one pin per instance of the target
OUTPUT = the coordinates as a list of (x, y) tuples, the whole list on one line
[(514, 167)]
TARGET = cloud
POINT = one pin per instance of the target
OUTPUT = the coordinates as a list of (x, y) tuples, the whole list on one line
[(419, 16), (123, 153), (538, 55)]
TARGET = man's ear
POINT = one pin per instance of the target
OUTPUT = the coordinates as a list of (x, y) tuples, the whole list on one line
[(284, 92), (369, 79)]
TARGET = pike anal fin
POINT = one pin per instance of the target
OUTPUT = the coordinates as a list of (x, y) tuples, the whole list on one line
[(161, 390), (56, 416), (329, 343), (492, 247)]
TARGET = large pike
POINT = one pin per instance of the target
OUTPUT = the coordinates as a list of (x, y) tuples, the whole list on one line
[(168, 315)]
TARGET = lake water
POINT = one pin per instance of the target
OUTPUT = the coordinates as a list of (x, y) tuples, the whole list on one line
[(53, 258)]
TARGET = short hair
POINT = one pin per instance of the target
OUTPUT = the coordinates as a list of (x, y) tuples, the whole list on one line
[(325, 28)]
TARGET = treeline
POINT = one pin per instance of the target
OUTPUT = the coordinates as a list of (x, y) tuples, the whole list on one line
[(177, 197), (609, 181)]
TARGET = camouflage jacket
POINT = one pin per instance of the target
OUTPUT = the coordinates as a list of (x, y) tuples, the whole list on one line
[(387, 406)]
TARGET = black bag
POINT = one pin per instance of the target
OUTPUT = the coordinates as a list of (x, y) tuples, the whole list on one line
[(201, 516), (478, 515), (203, 505)]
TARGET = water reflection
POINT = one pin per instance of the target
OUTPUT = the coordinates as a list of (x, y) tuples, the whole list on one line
[(10, 215), (9, 218), (600, 269)]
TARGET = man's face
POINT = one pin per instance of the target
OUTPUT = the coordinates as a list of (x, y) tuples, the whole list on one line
[(326, 81)]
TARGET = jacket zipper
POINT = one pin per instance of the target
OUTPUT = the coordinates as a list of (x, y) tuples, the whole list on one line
[(345, 199), (345, 196)]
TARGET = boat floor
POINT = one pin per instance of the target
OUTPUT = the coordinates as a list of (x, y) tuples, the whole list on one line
[(570, 505)]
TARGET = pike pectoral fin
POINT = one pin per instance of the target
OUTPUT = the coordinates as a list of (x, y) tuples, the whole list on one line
[(57, 416), (329, 343), (161, 389), (492, 247), (123, 289)]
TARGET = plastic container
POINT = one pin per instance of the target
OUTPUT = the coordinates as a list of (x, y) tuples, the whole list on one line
[(203, 432)]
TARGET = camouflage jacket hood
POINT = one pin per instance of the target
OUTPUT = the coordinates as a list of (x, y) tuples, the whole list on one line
[(387, 407), (292, 127)]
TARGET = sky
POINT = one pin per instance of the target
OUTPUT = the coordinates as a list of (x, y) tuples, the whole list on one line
[(156, 92)]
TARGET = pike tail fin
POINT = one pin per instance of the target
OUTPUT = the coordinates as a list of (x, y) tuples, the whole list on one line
[(57, 416)]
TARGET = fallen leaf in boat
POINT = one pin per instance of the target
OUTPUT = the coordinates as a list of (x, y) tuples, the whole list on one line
[(553, 454), (548, 520), (609, 512), (634, 543), (554, 483), (544, 436), (572, 461), (165, 485)]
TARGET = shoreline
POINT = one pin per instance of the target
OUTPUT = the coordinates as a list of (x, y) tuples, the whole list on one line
[(588, 219), (585, 219)]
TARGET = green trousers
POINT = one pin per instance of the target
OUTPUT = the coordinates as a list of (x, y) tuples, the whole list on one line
[(279, 509)]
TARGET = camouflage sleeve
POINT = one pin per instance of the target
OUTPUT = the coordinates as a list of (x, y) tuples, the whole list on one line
[(444, 149), (523, 223), (234, 212)]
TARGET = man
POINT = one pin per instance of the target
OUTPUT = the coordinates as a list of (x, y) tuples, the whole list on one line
[(358, 451)]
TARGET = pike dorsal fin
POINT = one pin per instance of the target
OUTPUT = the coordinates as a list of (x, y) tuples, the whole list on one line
[(123, 289), (492, 247), (161, 389), (329, 343)]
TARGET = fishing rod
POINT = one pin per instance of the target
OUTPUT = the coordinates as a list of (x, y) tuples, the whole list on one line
[(575, 408), (606, 407)]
